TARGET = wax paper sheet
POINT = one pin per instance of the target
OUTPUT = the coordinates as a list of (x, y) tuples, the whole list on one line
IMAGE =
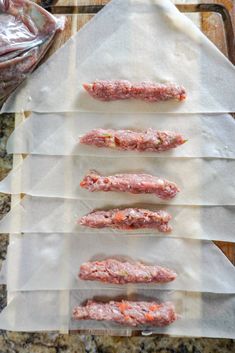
[(52, 261), (206, 181), (201, 314), (150, 40), (49, 215), (210, 135), (35, 311)]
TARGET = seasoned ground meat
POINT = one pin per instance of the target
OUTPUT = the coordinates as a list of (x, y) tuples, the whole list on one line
[(117, 272), (146, 91), (132, 183), (13, 72), (149, 140), (128, 312), (128, 219)]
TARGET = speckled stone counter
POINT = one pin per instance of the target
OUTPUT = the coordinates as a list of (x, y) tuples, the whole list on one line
[(12, 342)]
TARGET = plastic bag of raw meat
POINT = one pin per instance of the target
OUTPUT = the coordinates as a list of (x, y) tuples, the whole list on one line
[(26, 32)]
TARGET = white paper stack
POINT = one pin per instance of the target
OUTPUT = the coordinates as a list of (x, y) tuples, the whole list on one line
[(139, 41)]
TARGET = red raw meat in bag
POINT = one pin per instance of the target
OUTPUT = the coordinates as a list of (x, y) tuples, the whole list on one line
[(26, 32)]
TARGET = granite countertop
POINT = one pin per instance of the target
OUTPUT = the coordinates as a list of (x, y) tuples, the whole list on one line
[(12, 342)]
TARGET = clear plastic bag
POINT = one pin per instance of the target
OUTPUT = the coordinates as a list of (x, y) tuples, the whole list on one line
[(26, 32)]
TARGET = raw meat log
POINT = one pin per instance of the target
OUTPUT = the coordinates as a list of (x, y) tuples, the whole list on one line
[(133, 183), (128, 219), (113, 271), (149, 140), (26, 31), (128, 312), (146, 91)]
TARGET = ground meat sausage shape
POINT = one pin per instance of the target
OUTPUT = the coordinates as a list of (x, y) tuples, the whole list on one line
[(146, 91), (118, 272), (132, 183), (149, 140), (128, 219), (130, 313)]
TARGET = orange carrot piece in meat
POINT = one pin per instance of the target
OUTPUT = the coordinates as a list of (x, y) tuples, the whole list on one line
[(153, 307), (119, 216), (123, 306), (149, 317)]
